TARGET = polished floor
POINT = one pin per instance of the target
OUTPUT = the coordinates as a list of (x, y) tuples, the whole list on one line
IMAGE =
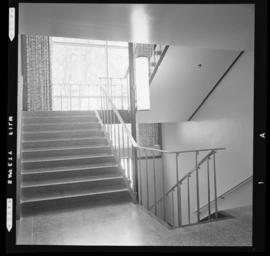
[(127, 224)]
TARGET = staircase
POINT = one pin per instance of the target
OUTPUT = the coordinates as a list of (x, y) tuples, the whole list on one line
[(67, 162)]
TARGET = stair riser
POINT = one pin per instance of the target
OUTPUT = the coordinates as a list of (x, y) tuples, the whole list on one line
[(57, 113), (66, 162), (65, 152), (67, 189), (62, 135), (65, 204), (65, 119), (65, 143), (52, 127), (48, 176)]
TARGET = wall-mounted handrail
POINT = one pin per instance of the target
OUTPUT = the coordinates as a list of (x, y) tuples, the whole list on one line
[(229, 191)]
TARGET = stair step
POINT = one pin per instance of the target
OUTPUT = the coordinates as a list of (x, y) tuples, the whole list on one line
[(59, 119), (97, 166), (60, 126), (58, 190), (56, 113), (76, 200), (64, 151), (65, 179), (38, 163), (77, 194), (64, 142), (67, 162), (61, 134)]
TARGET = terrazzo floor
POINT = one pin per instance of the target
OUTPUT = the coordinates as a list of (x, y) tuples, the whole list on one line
[(127, 224)]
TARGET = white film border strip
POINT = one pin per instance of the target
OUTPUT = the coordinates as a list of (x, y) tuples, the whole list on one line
[(9, 213), (11, 32)]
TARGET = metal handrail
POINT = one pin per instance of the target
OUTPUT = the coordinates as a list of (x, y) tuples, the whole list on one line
[(136, 145), (158, 63), (110, 115), (185, 177), (229, 191)]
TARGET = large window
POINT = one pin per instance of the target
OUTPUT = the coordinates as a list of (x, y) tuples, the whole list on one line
[(78, 64)]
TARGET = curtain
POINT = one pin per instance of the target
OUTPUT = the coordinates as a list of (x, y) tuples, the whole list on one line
[(36, 72)]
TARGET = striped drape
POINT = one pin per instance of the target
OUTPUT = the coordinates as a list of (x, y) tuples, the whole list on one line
[(36, 72)]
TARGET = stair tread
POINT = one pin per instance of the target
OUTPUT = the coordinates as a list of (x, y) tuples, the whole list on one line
[(64, 148), (70, 180), (62, 131), (58, 116), (74, 194), (65, 139), (44, 159), (62, 123), (69, 168)]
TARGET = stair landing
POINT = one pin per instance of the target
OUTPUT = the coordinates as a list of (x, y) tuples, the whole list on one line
[(127, 224)]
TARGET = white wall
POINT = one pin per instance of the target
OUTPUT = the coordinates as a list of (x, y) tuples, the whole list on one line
[(179, 85), (225, 120)]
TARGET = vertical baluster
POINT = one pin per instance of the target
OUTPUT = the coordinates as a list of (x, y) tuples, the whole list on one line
[(208, 190), (123, 149), (61, 97), (140, 175), (197, 187), (188, 194), (163, 189), (146, 168), (110, 112), (215, 185), (165, 207), (70, 100), (122, 100), (88, 87), (119, 142), (128, 169), (106, 111), (178, 191), (115, 134), (155, 190), (173, 221), (130, 161)]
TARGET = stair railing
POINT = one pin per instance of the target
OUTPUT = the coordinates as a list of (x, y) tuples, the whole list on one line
[(224, 195), (167, 207), (156, 58)]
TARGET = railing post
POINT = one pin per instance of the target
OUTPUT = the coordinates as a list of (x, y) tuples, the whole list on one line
[(178, 191), (173, 221), (208, 190), (140, 176), (146, 170), (133, 111), (188, 194), (215, 185), (155, 190), (119, 144), (197, 186)]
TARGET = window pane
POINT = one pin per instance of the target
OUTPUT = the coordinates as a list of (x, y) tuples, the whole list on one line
[(118, 62)]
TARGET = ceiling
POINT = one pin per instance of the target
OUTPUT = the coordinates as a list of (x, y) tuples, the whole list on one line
[(216, 26)]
